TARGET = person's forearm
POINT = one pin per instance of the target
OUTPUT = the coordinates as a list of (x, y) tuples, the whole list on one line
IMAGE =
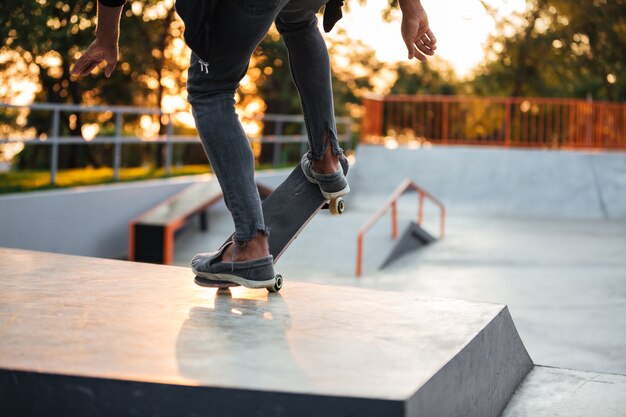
[(108, 22), (410, 7)]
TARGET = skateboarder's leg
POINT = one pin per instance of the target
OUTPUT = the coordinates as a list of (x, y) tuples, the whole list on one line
[(310, 68), (228, 150), (212, 82)]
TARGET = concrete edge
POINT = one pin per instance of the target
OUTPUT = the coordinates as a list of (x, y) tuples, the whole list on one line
[(181, 179), (481, 379), (43, 394)]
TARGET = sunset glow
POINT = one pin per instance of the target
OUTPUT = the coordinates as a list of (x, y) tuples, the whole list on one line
[(461, 28)]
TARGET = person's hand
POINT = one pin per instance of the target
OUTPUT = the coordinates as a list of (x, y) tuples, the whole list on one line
[(97, 52), (419, 39)]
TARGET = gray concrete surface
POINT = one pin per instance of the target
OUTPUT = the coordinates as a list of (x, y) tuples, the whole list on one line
[(88, 220), (564, 281), (347, 348), (500, 182), (564, 278), (542, 231), (553, 392)]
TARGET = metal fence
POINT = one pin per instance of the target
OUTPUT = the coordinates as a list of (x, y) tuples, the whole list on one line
[(495, 121), (116, 114)]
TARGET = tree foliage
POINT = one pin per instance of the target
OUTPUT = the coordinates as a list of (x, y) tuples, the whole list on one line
[(434, 77), (553, 48), (558, 48), (46, 37)]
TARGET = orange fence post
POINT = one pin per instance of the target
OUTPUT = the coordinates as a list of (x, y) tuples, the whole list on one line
[(507, 123), (168, 247), (570, 125), (366, 119), (359, 255), (599, 119), (623, 141), (420, 212), (442, 224), (444, 123), (394, 220), (131, 241), (589, 128)]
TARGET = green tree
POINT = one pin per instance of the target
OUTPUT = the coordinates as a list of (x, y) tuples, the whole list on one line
[(48, 36), (432, 77), (558, 48)]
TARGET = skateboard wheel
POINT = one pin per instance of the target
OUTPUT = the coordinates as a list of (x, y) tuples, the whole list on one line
[(336, 206), (278, 285)]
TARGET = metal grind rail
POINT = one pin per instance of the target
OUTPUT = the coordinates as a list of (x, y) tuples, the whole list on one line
[(392, 203)]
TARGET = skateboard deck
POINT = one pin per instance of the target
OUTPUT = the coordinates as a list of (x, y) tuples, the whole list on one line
[(287, 210)]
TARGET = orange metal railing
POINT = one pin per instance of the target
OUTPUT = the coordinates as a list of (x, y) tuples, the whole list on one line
[(494, 121), (392, 203)]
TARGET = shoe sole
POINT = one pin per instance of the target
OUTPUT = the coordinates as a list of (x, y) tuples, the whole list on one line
[(235, 279), (336, 194), (325, 194), (203, 282)]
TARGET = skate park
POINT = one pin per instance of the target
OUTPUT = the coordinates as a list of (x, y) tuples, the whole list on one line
[(549, 270), (529, 239), (476, 268)]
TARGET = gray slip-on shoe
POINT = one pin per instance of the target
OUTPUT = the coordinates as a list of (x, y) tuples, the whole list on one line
[(258, 273), (333, 185)]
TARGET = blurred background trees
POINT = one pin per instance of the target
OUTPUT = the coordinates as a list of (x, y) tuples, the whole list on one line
[(46, 37), (554, 48), (558, 48)]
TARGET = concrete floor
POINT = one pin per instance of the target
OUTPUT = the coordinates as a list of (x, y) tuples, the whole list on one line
[(564, 281), (562, 276), (543, 232), (550, 392), (307, 351)]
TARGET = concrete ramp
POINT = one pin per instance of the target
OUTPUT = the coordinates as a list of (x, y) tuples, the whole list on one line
[(85, 336), (413, 238), (498, 181)]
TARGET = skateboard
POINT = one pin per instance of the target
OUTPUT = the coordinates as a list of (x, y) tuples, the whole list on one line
[(287, 210)]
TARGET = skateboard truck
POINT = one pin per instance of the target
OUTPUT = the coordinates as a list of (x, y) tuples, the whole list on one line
[(335, 205)]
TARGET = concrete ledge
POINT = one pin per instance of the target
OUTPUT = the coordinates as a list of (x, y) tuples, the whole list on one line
[(81, 396), (96, 336), (479, 377), (89, 220), (526, 183)]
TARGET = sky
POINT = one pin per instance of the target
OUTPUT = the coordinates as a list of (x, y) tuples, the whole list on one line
[(461, 28)]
